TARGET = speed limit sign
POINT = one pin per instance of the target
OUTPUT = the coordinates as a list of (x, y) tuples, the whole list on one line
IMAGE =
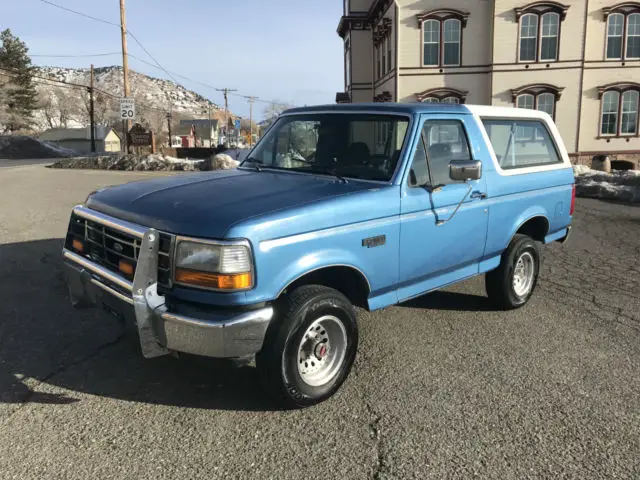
[(127, 109)]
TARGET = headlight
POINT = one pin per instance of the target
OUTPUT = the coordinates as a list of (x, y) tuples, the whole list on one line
[(213, 266)]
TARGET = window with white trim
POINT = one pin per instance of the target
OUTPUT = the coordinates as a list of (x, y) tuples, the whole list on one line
[(623, 34), (619, 115), (451, 38), (544, 102), (619, 111), (431, 48), (610, 103), (539, 37), (633, 36), (549, 37)]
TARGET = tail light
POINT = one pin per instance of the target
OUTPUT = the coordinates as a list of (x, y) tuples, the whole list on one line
[(573, 199)]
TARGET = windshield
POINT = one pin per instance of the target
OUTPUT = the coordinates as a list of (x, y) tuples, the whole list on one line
[(361, 146)]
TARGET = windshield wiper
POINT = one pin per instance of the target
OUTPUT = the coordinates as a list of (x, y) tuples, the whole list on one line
[(332, 172), (257, 163)]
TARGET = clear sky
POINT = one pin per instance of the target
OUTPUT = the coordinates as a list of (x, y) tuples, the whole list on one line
[(284, 50)]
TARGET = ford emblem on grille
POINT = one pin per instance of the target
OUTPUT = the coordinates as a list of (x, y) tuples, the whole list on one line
[(117, 247)]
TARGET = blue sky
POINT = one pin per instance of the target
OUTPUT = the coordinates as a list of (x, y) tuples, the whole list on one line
[(284, 50)]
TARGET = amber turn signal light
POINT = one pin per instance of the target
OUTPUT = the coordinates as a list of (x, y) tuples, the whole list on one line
[(238, 281), (125, 267), (78, 246)]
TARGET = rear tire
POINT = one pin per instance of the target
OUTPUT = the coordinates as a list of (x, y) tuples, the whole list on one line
[(511, 285), (310, 346)]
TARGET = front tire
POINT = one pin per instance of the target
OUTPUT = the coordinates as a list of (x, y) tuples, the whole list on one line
[(310, 347), (511, 285)]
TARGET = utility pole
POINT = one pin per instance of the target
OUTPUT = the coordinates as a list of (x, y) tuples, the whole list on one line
[(126, 124), (251, 102), (169, 125), (226, 108), (92, 124)]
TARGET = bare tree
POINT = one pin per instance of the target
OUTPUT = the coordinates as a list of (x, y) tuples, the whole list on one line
[(272, 111), (59, 107)]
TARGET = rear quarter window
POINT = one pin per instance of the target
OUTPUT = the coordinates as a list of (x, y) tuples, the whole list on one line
[(521, 143)]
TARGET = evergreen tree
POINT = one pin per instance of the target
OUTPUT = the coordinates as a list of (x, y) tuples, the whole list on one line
[(15, 62)]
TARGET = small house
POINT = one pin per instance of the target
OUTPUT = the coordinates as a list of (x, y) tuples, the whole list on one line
[(206, 132), (79, 139)]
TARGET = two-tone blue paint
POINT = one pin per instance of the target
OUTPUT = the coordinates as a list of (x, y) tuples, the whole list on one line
[(299, 223)]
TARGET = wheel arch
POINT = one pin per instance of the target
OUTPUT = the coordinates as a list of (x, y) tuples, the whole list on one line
[(534, 225), (347, 279)]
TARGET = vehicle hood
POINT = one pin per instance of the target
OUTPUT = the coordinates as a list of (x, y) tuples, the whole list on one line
[(208, 204)]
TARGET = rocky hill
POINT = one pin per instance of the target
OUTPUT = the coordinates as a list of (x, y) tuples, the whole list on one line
[(63, 106)]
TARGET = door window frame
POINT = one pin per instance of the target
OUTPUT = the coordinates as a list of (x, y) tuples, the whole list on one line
[(424, 119)]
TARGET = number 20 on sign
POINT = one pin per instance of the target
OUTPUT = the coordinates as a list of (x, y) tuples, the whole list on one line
[(127, 109)]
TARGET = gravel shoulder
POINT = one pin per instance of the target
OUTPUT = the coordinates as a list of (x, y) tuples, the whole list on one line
[(443, 387)]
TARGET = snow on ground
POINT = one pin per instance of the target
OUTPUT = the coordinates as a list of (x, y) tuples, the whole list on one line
[(619, 185), (147, 162)]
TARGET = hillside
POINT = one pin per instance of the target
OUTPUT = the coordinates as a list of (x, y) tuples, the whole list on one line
[(63, 106)]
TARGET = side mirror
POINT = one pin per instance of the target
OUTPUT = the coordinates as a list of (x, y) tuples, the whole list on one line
[(464, 170)]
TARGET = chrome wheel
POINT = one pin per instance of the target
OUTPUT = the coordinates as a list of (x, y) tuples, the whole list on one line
[(523, 274), (322, 351)]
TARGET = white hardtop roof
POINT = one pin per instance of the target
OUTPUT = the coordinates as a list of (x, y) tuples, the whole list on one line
[(507, 112)]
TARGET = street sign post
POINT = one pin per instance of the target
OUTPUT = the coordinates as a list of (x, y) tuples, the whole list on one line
[(237, 124), (127, 108)]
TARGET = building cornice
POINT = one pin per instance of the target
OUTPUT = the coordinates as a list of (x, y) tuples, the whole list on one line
[(441, 93), (540, 8), (537, 89), (624, 8), (619, 87), (443, 14)]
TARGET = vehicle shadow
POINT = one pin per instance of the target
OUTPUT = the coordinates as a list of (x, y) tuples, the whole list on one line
[(51, 352), (453, 301)]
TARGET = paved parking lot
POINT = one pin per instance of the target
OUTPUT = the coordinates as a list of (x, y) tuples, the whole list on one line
[(443, 387)]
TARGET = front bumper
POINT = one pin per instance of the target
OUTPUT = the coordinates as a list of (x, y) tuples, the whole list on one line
[(224, 334)]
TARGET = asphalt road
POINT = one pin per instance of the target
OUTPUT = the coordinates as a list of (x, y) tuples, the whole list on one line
[(11, 163), (444, 387)]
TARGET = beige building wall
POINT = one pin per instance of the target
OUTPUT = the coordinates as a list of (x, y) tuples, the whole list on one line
[(476, 49), (477, 86), (590, 140)]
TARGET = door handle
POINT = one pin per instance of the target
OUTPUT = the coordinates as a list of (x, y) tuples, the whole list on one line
[(478, 194)]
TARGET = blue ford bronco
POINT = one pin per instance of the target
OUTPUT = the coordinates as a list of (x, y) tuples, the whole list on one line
[(336, 207)]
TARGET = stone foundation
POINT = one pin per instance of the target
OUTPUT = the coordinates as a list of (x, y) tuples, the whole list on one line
[(585, 158)]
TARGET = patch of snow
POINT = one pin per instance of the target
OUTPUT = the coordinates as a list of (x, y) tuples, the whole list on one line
[(619, 185)]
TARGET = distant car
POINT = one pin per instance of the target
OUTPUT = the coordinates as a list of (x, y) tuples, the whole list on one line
[(337, 207)]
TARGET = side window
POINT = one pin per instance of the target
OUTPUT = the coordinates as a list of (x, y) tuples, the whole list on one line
[(446, 141), (419, 173), (521, 143)]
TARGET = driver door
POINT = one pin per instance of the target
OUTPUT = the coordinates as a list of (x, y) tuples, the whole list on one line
[(438, 246)]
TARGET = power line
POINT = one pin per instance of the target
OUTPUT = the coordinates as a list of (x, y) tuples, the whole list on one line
[(135, 39), (80, 13), (76, 56)]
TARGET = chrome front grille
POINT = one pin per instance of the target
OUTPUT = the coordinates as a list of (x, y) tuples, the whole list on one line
[(108, 247)]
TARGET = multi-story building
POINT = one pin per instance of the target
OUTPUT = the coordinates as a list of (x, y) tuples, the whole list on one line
[(578, 60)]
